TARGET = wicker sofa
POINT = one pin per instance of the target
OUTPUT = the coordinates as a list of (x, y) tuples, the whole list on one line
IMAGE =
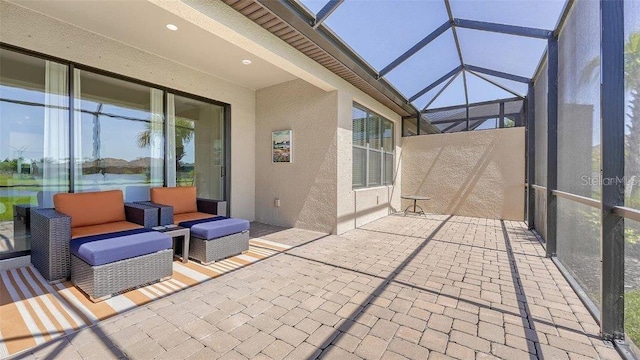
[(103, 244), (213, 237)]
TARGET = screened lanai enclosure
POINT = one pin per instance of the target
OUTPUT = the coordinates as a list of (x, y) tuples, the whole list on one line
[(569, 71)]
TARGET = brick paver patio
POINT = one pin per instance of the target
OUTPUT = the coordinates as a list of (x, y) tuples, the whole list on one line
[(400, 287)]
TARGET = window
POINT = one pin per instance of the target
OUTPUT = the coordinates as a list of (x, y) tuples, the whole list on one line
[(373, 149)]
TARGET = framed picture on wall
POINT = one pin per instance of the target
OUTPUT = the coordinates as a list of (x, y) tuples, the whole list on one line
[(281, 149)]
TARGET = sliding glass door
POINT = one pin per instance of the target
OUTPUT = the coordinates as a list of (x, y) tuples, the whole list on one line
[(196, 135), (68, 128)]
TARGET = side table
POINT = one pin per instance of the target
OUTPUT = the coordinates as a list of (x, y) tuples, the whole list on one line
[(415, 199), (176, 232)]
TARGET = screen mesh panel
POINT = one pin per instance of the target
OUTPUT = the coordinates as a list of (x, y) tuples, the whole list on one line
[(540, 94), (515, 55), (578, 226), (446, 115), (427, 128), (517, 87), (632, 280), (541, 213), (579, 101), (452, 95), (493, 110), (446, 126), (481, 90), (528, 13), (410, 127), (484, 124), (313, 5), (363, 25), (578, 244), (481, 117), (425, 99), (423, 68), (632, 171), (632, 103)]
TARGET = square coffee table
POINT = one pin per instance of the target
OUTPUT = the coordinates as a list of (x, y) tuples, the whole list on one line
[(176, 232)]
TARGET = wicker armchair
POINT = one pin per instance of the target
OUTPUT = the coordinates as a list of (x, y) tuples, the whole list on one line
[(51, 233), (168, 209)]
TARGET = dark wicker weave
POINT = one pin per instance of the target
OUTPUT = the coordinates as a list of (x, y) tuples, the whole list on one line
[(165, 212), (50, 236), (142, 214), (215, 207), (105, 280), (207, 251)]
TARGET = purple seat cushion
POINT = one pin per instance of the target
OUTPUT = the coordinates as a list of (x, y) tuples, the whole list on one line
[(216, 229), (107, 248)]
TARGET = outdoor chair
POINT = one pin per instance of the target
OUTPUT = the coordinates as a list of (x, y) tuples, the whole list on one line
[(103, 244), (213, 237)]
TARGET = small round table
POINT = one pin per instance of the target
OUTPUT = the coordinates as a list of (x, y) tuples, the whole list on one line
[(415, 199)]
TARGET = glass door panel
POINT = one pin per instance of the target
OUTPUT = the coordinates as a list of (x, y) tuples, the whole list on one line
[(196, 146), (118, 140), (34, 126)]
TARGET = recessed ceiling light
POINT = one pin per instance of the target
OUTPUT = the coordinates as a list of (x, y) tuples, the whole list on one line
[(246, 61), (172, 27)]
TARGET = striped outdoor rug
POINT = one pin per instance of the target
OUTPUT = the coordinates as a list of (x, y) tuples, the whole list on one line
[(32, 311)]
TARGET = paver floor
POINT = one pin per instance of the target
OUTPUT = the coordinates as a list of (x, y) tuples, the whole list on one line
[(401, 287)]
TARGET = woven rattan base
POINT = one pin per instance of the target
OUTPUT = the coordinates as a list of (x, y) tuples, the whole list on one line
[(104, 280), (207, 251)]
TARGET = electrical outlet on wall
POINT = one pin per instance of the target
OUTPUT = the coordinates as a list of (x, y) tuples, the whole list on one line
[(276, 202)]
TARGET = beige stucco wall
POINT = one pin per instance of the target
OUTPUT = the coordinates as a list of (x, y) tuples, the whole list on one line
[(478, 174), (33, 31), (315, 191), (307, 186)]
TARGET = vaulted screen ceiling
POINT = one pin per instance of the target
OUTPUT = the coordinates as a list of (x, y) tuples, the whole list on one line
[(439, 53)]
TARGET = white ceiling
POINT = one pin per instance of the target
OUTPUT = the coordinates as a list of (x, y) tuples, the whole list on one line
[(143, 25)]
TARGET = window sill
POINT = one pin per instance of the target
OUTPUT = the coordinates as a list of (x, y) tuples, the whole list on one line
[(373, 188)]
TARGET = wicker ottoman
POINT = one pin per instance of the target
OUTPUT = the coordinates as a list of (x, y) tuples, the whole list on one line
[(103, 265), (218, 239)]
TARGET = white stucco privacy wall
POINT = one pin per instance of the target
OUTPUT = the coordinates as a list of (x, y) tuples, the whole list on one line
[(476, 173), (36, 32)]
